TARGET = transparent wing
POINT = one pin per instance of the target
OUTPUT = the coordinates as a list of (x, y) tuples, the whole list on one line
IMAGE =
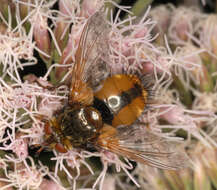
[(97, 64), (91, 56), (142, 146)]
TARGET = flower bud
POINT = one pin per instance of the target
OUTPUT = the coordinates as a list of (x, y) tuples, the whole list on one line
[(206, 30), (173, 115), (181, 25), (90, 7), (162, 15), (4, 184), (210, 160), (7, 7), (59, 30), (24, 8), (174, 180), (48, 184), (41, 35), (3, 29), (201, 180), (69, 50), (68, 7)]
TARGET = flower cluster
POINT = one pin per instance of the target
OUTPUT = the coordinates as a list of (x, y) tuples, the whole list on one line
[(188, 98), (178, 52)]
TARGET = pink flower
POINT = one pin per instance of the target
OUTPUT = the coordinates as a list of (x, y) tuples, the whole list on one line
[(20, 148), (173, 114), (41, 36), (69, 8), (90, 7), (48, 184), (182, 24)]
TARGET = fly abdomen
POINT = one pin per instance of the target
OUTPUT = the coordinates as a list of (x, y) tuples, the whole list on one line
[(125, 98)]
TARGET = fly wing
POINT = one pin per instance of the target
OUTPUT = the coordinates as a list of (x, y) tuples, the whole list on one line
[(90, 58), (142, 146)]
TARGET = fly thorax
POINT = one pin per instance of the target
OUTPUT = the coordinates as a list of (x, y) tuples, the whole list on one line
[(81, 125)]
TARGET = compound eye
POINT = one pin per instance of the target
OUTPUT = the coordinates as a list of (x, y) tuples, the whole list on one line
[(94, 117), (60, 148)]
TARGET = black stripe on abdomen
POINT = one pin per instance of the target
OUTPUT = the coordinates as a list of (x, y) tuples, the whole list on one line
[(110, 107), (128, 96)]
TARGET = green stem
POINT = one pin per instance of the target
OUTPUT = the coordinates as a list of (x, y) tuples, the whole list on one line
[(206, 83), (185, 95), (216, 6), (111, 6), (139, 7)]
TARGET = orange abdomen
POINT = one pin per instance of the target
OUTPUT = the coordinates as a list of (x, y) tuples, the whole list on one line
[(125, 98)]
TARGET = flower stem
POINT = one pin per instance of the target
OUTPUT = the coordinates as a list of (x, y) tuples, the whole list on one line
[(185, 95), (139, 7)]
